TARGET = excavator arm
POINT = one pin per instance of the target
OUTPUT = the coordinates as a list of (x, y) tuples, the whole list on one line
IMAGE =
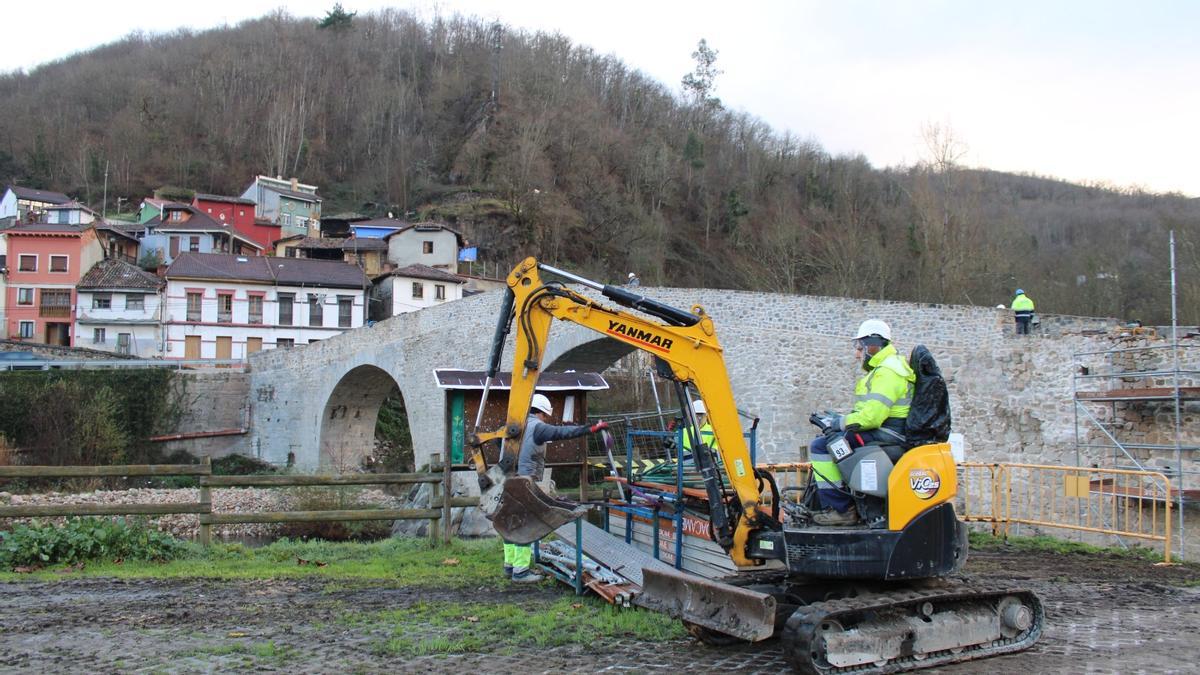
[(685, 340)]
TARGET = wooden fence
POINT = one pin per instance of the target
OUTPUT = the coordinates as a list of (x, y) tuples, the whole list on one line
[(438, 511)]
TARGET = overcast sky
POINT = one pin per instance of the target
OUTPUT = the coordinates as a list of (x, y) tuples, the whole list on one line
[(1083, 90)]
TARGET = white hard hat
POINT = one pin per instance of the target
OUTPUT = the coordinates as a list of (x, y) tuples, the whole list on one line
[(698, 407), (632, 275), (874, 327), (540, 402)]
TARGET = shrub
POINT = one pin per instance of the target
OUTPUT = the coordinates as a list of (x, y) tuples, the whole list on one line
[(334, 499), (241, 465), (84, 539)]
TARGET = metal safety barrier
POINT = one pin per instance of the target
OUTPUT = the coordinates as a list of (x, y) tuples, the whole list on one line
[(1117, 502)]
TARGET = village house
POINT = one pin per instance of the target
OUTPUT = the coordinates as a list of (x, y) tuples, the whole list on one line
[(183, 228), (292, 205), (21, 204), (240, 213), (45, 262), (367, 252), (70, 213), (229, 306), (431, 244), (413, 287), (119, 309)]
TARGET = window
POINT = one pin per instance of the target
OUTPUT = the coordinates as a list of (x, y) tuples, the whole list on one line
[(26, 329), (285, 308), (285, 219), (439, 292), (224, 307), (194, 244), (24, 296), (58, 263), (176, 216), (98, 336), (193, 306), (284, 343), (316, 316), (27, 263), (345, 308), (302, 221), (418, 290), (174, 246), (123, 343), (135, 301), (427, 247), (256, 307), (101, 300)]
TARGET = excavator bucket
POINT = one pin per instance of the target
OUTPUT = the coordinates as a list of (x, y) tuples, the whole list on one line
[(716, 606), (525, 513)]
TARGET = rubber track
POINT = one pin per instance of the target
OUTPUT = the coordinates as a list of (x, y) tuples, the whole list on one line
[(802, 626)]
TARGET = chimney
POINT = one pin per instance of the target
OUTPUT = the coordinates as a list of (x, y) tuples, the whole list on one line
[(387, 267), (161, 270), (295, 185)]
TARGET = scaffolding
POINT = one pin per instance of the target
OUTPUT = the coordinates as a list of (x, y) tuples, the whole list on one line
[(1110, 384)]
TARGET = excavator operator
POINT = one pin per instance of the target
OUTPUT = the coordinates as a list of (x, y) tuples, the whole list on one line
[(532, 462), (881, 401)]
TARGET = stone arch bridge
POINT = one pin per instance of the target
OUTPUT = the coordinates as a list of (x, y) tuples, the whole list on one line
[(787, 356)]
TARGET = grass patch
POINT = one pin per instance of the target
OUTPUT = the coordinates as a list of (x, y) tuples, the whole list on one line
[(410, 561), (456, 628), (1042, 544)]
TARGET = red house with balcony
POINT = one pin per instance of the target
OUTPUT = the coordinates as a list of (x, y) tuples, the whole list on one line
[(45, 262), (238, 212)]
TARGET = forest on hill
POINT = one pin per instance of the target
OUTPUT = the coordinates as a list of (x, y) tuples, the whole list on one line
[(535, 145)]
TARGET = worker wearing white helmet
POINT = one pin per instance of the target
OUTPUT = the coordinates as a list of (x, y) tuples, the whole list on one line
[(633, 280), (881, 402), (707, 436), (532, 462)]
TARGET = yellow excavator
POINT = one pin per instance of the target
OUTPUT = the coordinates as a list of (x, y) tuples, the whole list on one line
[(868, 599)]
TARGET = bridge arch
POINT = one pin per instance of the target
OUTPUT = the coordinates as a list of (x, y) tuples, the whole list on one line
[(350, 414)]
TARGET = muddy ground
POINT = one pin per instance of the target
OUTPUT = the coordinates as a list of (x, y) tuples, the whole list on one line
[(1105, 614)]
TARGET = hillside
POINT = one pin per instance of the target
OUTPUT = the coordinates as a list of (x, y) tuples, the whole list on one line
[(577, 159)]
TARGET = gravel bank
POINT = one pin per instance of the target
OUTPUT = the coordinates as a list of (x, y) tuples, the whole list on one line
[(227, 500)]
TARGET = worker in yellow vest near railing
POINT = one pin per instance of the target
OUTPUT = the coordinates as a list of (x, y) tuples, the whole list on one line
[(1022, 307)]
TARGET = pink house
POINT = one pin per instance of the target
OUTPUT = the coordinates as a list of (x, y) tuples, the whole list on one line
[(45, 262)]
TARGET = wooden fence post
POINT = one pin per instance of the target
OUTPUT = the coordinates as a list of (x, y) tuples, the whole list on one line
[(434, 490), (447, 490), (206, 502)]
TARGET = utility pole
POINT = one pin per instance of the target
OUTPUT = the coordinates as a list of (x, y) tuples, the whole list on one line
[(104, 208)]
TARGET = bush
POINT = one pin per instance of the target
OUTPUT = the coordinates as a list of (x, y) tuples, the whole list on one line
[(334, 499), (83, 539), (241, 465)]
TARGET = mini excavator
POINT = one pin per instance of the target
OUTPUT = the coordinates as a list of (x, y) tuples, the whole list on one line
[(867, 599)]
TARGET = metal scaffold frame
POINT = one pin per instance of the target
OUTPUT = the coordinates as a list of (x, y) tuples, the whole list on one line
[(1174, 386)]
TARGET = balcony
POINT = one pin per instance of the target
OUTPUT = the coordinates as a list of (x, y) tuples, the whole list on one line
[(54, 311)]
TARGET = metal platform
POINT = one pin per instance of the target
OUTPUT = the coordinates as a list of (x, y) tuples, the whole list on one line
[(612, 552)]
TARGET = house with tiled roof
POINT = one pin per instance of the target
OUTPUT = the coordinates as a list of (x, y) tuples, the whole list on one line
[(240, 213), (119, 309), (413, 287), (292, 205), (183, 228), (70, 213), (230, 306), (21, 203), (369, 253), (430, 243), (45, 261)]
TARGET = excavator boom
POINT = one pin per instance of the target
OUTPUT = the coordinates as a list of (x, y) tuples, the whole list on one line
[(685, 340)]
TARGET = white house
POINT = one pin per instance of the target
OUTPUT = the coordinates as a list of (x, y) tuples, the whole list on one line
[(18, 202), (227, 306), (432, 244), (411, 288), (119, 309), (71, 213)]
